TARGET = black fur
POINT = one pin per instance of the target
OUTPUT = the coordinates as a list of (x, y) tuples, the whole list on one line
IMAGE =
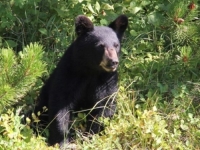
[(80, 82)]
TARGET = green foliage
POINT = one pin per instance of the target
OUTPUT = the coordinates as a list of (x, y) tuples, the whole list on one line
[(48, 21), (14, 135), (158, 100), (51, 21), (19, 73), (138, 126)]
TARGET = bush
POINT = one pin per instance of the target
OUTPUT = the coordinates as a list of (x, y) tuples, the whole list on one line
[(19, 73), (158, 100), (139, 126), (14, 135)]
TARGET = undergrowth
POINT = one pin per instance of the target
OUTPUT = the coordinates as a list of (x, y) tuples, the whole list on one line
[(158, 97)]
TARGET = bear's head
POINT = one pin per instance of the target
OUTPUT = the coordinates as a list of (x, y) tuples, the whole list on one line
[(98, 47)]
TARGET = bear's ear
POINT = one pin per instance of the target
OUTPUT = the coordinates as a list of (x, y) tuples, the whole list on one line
[(119, 25), (83, 25)]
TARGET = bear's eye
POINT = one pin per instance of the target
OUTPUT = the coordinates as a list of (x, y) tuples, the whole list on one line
[(116, 45), (101, 45)]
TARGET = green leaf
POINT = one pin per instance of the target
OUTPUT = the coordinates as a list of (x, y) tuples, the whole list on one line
[(155, 18), (43, 31), (183, 125), (97, 6), (90, 8), (136, 9), (103, 22), (107, 7), (198, 134), (9, 43), (133, 32), (81, 115)]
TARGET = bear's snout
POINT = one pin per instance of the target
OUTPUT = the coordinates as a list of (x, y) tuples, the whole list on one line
[(110, 60)]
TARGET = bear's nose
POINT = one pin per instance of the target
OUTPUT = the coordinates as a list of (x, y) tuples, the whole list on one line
[(113, 63)]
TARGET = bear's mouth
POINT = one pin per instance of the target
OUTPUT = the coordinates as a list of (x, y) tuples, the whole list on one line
[(109, 68)]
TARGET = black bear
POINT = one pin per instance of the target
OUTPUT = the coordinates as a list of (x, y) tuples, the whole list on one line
[(84, 79)]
